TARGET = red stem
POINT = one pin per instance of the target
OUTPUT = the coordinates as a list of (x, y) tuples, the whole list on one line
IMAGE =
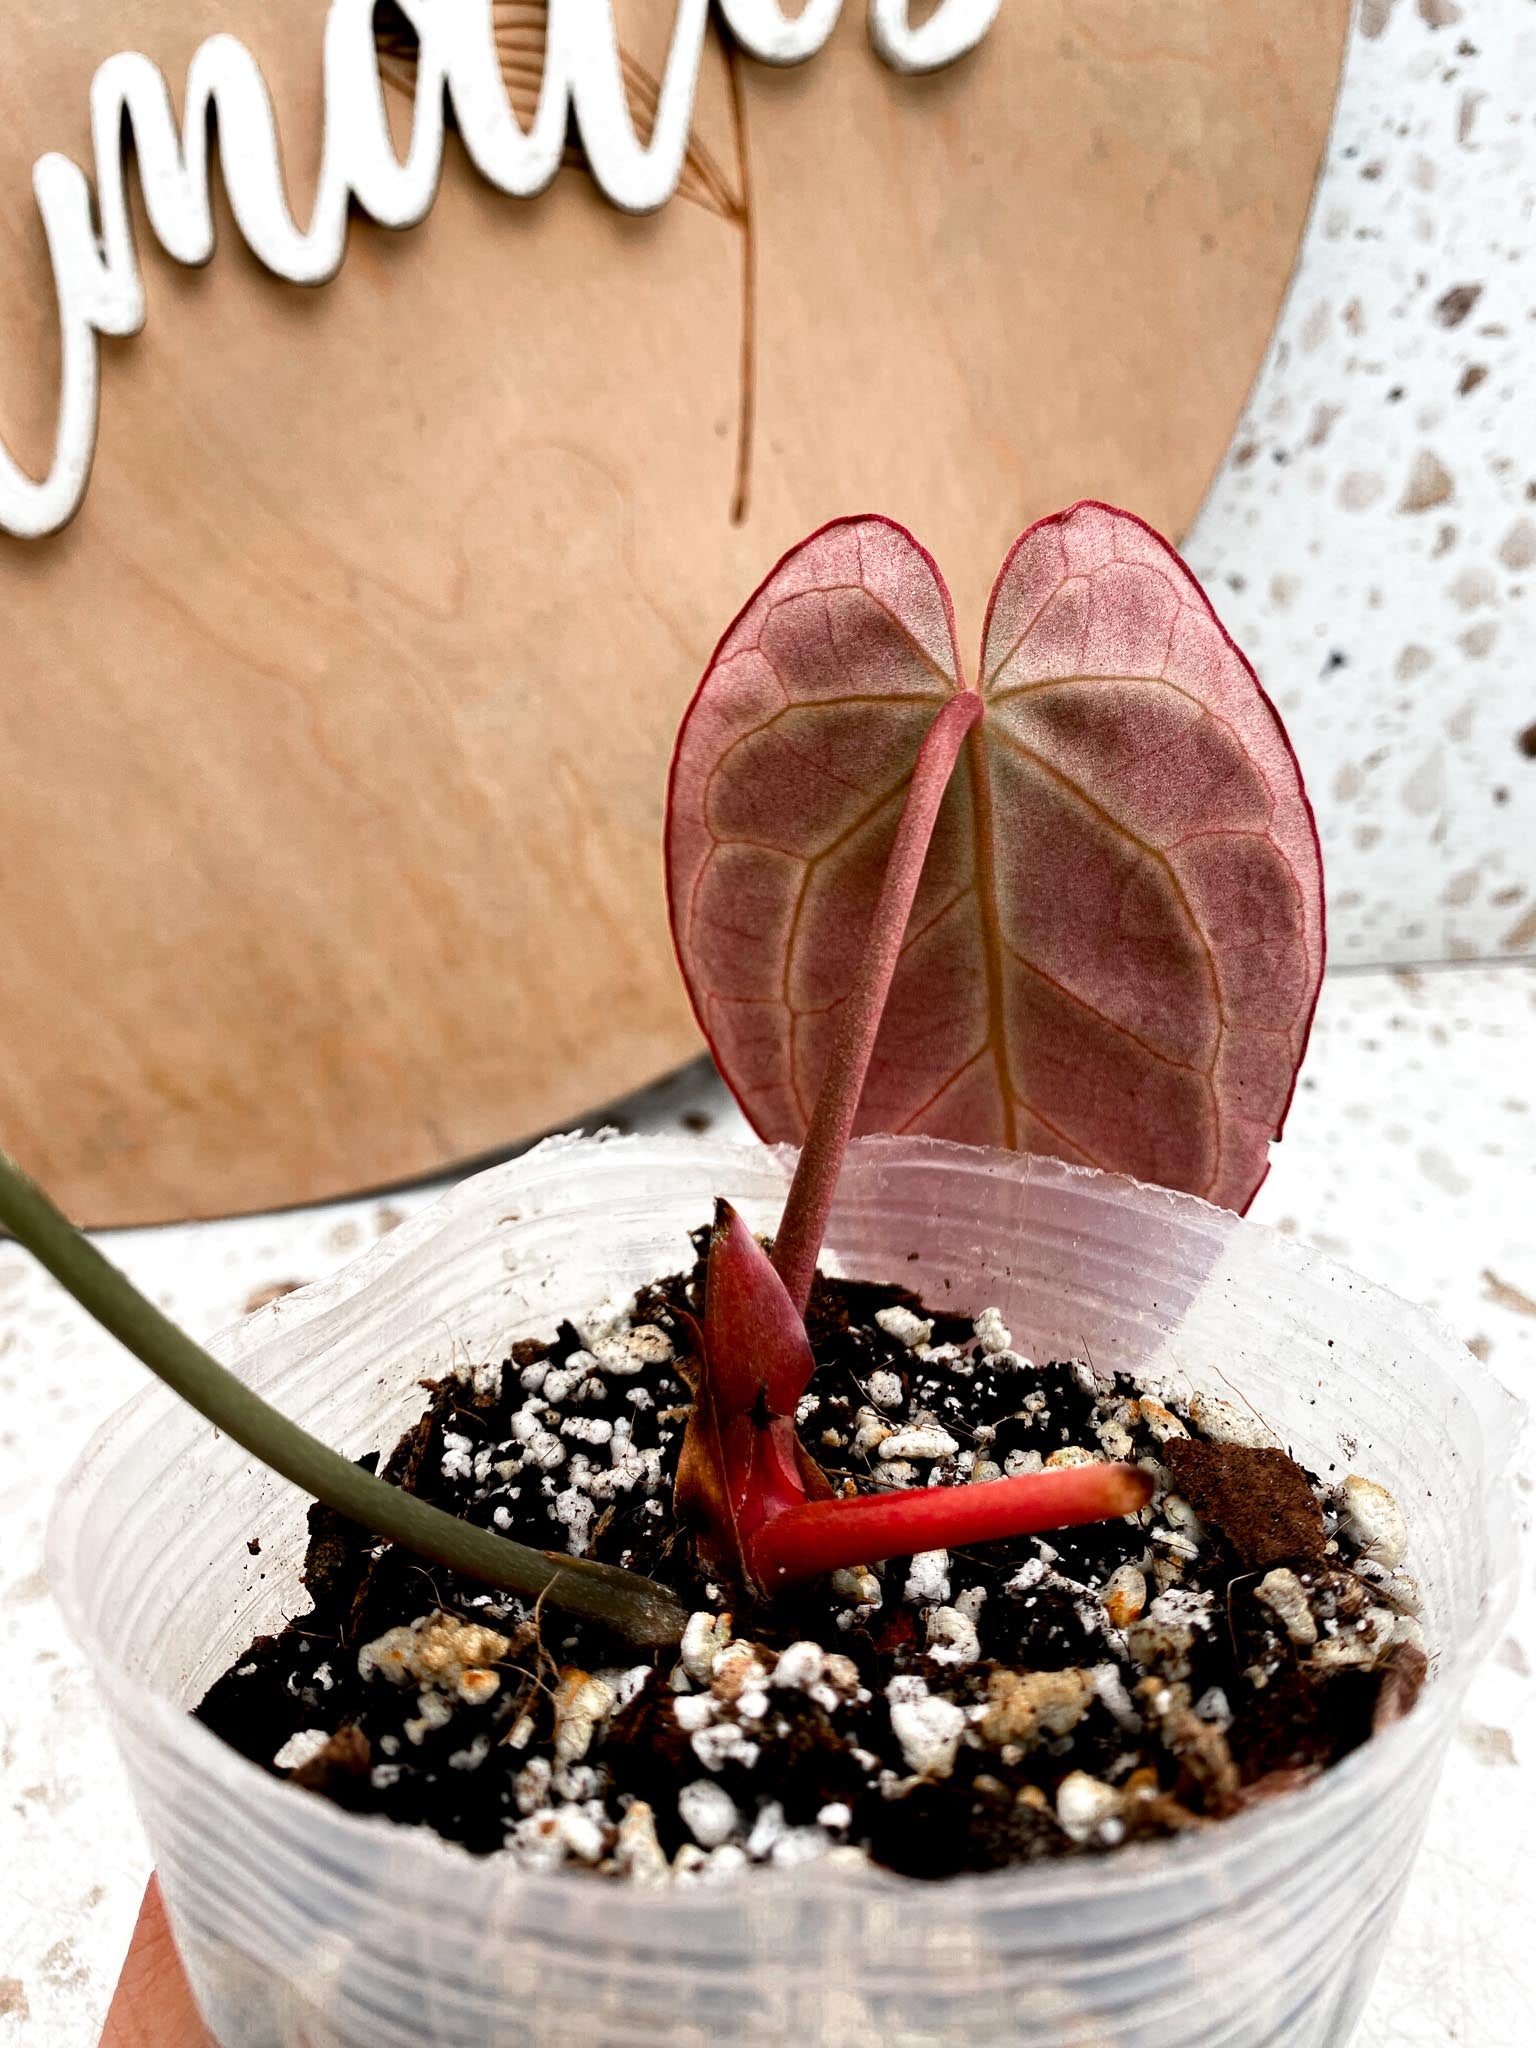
[(804, 1221), (825, 1535)]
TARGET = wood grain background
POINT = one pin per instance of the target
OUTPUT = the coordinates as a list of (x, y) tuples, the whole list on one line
[(333, 734)]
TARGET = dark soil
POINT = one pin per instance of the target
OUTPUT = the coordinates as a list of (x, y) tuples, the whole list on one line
[(955, 1712)]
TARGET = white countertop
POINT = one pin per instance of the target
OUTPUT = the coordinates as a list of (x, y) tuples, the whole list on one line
[(1410, 1154)]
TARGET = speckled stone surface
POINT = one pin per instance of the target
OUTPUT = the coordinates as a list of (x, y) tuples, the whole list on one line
[(1410, 1154), (1371, 538)]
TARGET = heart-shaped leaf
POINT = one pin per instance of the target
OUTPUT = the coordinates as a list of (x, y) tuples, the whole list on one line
[(1116, 945)]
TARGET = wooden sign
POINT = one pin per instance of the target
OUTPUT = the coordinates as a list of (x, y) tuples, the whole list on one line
[(333, 727)]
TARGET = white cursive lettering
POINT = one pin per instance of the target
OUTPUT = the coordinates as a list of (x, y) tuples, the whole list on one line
[(954, 27), (97, 278), (762, 29)]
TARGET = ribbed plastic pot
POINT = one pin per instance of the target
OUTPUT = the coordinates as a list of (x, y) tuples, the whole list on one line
[(311, 1928)]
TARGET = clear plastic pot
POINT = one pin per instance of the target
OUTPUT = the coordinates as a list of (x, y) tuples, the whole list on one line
[(301, 1924)]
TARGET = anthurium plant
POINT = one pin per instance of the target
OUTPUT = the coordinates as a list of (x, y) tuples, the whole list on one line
[(1074, 906)]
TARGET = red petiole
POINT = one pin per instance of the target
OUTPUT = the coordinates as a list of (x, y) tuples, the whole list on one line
[(824, 1535), (809, 1203), (764, 1510)]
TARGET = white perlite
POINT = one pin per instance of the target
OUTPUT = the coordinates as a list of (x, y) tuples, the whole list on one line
[(1026, 1707), (1115, 1440), (929, 1732), (637, 1852), (992, 1333), (434, 1711), (1225, 1423), (433, 1650), (918, 1441), (970, 1603), (856, 1582), (737, 1672), (476, 1687), (1165, 1634), (708, 1812), (724, 1743), (300, 1749), (1085, 1805), (800, 1667), (704, 1637), (630, 1351), (1125, 1594), (458, 1460), (869, 1431), (799, 1845), (773, 1841), (582, 1704), (1373, 1519), (904, 1326), (485, 1381), (1285, 1597), (1181, 1516), (575, 1509), (587, 1429), (543, 1449), (533, 1780), (1179, 1607), (693, 1711), (884, 1389), (1360, 1642), (927, 1578), (625, 1684), (767, 1830), (1163, 1424), (560, 1382), (1215, 1708), (952, 1637), (1109, 1686), (537, 1841), (581, 1834)]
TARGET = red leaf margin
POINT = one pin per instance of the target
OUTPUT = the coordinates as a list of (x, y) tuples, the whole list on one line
[(1266, 704), (1186, 587)]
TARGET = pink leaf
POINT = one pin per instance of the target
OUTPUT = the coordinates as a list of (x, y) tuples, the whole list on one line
[(1117, 941)]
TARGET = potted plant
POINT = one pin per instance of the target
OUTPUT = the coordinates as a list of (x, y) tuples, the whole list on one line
[(1105, 940)]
